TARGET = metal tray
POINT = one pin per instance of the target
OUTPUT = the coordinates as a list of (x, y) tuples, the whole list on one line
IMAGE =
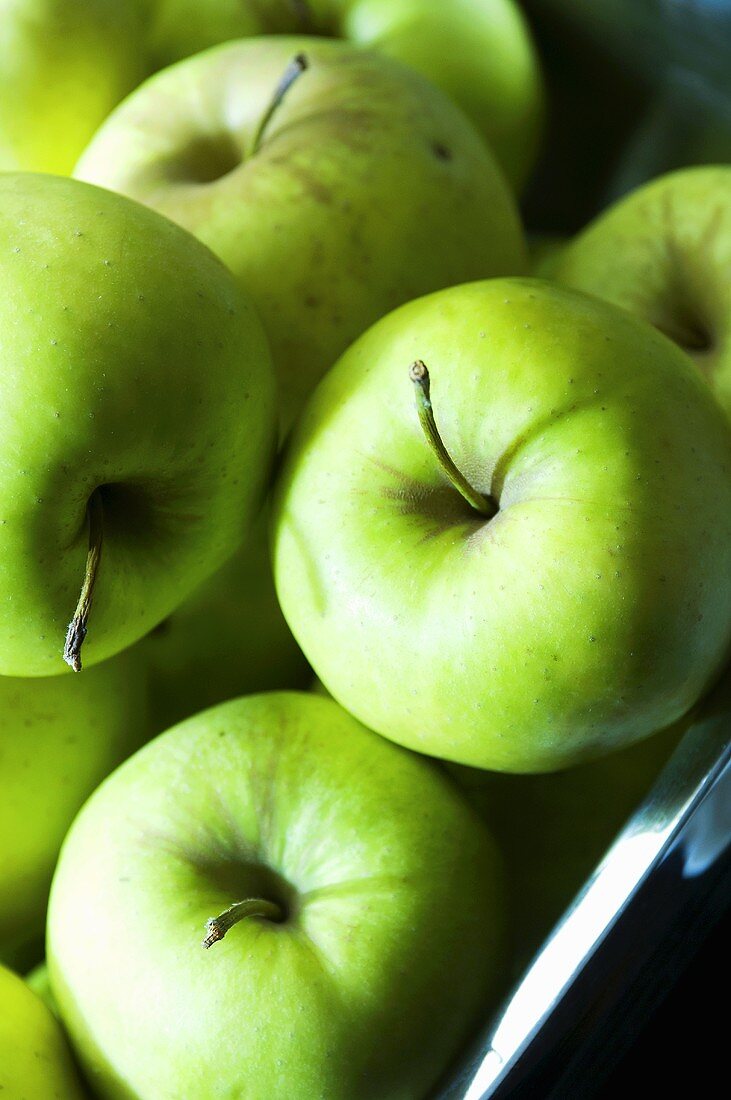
[(624, 937), (653, 79)]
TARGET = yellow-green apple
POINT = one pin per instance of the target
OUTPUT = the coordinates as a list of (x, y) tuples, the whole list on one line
[(557, 581), (664, 253), (480, 52), (346, 209), (137, 420), (35, 1060), (364, 188), (358, 894), (553, 829), (230, 638), (59, 737), (64, 64)]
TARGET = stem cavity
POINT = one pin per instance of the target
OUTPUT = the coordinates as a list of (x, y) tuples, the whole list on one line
[(419, 375), (77, 627), (292, 73), (217, 927)]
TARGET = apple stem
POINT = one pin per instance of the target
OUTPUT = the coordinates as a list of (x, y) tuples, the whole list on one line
[(293, 71), (217, 927), (419, 375), (77, 627)]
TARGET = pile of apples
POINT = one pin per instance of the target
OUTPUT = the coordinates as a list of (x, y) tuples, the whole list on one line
[(280, 398)]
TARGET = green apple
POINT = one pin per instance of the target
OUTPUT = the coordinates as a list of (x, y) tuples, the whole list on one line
[(561, 585), (664, 253), (553, 829), (364, 188), (60, 736), (480, 52), (358, 893), (137, 419), (35, 1061), (64, 64), (230, 638)]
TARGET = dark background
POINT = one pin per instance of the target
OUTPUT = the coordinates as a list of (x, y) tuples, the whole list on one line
[(687, 1033), (637, 88)]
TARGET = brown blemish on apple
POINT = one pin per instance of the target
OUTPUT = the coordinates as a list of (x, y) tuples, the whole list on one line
[(308, 181), (441, 151), (162, 629)]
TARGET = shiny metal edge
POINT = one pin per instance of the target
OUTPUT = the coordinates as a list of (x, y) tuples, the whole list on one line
[(699, 764)]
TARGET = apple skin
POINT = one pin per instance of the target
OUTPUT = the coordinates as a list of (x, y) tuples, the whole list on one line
[(369, 987), (479, 52), (348, 207), (230, 638), (664, 253), (554, 829), (60, 736), (35, 1061), (157, 391), (64, 64), (593, 610)]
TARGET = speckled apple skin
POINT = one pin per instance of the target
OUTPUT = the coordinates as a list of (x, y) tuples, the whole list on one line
[(130, 363), (592, 610), (59, 737), (385, 964), (368, 188), (35, 1060), (664, 253)]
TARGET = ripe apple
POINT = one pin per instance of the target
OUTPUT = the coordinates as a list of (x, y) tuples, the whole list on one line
[(664, 253), (553, 829), (333, 209), (364, 938), (60, 736), (581, 599), (35, 1061), (64, 64), (480, 52), (229, 638), (137, 419)]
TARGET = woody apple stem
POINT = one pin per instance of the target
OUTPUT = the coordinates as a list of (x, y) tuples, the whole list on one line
[(77, 627), (217, 927), (419, 375), (292, 73)]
